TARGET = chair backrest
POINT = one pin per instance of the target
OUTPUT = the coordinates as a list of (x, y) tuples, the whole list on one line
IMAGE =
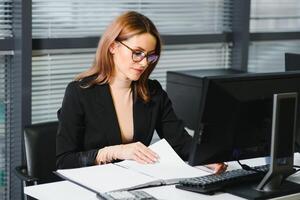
[(292, 61), (40, 148)]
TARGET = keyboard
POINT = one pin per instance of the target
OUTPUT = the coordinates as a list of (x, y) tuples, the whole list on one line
[(125, 195), (215, 182)]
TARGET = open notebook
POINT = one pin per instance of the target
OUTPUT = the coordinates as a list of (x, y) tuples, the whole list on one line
[(132, 175)]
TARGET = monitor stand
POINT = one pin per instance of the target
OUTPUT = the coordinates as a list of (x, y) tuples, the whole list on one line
[(282, 154), (249, 190)]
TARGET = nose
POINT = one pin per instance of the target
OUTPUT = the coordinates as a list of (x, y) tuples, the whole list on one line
[(144, 62)]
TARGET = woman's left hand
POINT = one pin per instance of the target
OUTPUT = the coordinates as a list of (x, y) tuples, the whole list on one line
[(217, 167)]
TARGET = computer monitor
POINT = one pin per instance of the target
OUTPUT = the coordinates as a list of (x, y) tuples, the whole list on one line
[(292, 61), (274, 183), (235, 116)]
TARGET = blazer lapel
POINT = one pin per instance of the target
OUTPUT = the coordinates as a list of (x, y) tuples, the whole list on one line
[(111, 125), (142, 120)]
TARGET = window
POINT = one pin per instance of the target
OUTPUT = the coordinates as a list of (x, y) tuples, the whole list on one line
[(274, 15), (4, 127), (268, 17), (5, 33), (51, 72), (63, 18), (268, 56), (5, 18), (53, 69)]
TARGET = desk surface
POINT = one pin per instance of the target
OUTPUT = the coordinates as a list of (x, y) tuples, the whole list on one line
[(66, 190)]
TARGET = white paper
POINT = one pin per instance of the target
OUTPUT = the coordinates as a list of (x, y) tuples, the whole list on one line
[(169, 167), (130, 174), (104, 178), (61, 190)]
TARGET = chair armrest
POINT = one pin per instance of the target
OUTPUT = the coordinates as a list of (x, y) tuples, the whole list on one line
[(21, 173)]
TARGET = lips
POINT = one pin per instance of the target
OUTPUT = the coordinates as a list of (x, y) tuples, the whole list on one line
[(140, 70)]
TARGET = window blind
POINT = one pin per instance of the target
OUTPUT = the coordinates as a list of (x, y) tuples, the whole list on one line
[(53, 70), (5, 164), (77, 18), (274, 15), (5, 18), (268, 56), (4, 115)]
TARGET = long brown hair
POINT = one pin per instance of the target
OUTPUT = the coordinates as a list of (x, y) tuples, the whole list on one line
[(123, 27)]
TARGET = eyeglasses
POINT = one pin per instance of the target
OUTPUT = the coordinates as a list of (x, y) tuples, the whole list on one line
[(138, 56)]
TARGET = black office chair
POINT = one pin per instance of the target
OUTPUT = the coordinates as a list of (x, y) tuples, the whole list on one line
[(40, 149), (292, 61)]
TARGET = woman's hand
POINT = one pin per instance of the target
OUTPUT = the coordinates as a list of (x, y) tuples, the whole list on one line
[(134, 151), (137, 151), (217, 167)]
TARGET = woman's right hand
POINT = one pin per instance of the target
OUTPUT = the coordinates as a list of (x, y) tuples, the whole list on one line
[(134, 151), (137, 151)]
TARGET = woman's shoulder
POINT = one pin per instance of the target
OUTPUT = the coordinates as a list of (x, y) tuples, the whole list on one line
[(83, 86), (155, 87)]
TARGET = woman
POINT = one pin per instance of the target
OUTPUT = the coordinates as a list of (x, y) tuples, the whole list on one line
[(111, 111)]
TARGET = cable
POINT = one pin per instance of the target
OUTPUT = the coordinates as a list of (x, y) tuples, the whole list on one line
[(247, 167), (297, 170)]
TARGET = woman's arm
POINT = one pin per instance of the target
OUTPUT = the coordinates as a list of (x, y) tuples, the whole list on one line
[(70, 134)]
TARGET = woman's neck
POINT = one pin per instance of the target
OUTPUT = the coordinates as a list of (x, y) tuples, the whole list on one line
[(119, 83)]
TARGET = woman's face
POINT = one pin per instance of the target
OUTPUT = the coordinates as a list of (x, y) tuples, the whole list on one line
[(126, 51)]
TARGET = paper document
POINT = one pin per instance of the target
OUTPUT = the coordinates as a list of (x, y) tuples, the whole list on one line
[(130, 174), (104, 178), (170, 168)]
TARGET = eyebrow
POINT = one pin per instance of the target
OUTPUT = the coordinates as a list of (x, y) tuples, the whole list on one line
[(140, 48)]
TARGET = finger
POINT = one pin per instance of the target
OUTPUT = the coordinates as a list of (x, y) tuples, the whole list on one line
[(223, 167), (218, 168), (210, 166), (136, 158), (142, 157), (148, 152)]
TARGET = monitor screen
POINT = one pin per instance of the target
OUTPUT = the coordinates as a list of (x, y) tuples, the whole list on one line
[(292, 61), (235, 117)]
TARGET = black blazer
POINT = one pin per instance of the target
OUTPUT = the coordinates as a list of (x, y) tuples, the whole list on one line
[(88, 122)]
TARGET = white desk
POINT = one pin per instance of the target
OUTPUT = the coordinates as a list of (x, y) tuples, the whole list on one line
[(65, 190)]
